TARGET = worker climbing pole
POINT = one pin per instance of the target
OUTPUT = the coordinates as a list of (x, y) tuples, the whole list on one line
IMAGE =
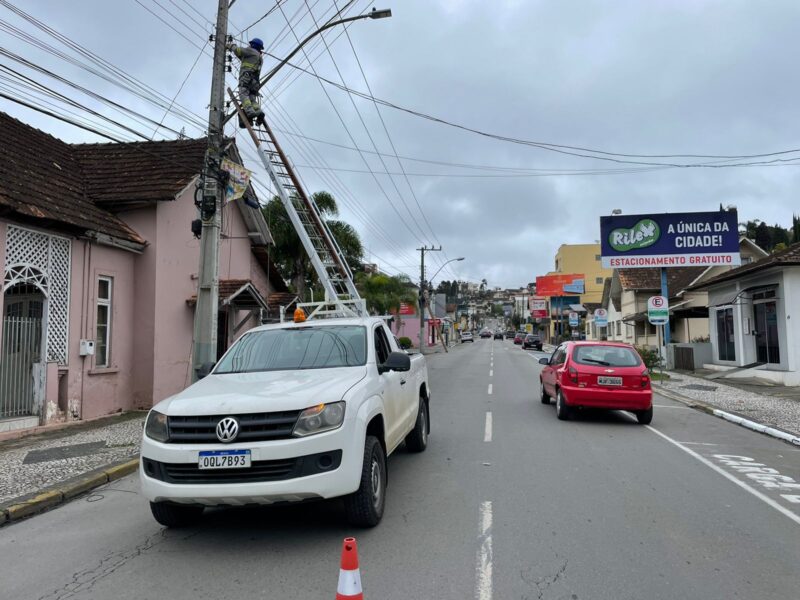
[(251, 59)]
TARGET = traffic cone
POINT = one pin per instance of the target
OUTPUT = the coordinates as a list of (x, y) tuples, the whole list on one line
[(349, 575)]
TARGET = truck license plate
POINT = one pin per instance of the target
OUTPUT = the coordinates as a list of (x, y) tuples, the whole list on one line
[(224, 459), (609, 380)]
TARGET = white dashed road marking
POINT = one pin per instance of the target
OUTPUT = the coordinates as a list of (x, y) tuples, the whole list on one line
[(490, 389), (487, 431), (483, 571)]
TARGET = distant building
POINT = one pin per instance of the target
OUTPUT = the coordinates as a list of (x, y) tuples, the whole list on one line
[(583, 259)]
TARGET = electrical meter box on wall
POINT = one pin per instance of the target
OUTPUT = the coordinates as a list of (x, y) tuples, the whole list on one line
[(87, 348)]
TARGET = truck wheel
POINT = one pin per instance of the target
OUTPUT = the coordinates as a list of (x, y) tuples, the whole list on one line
[(563, 412), (417, 440), (175, 515), (364, 507)]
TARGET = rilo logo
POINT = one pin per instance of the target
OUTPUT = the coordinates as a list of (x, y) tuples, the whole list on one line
[(645, 233)]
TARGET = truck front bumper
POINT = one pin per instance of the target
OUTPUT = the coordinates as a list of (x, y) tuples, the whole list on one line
[(326, 465)]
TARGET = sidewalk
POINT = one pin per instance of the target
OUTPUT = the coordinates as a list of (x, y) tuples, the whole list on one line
[(774, 406), (45, 469)]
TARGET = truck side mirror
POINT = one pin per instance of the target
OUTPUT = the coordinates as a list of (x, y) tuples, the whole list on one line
[(204, 369), (397, 361)]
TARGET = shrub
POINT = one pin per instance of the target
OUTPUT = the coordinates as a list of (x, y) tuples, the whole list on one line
[(650, 356), (405, 343)]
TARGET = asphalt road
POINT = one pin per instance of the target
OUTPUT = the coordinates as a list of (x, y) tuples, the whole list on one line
[(513, 506)]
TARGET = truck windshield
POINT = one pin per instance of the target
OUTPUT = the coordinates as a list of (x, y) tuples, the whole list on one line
[(297, 348)]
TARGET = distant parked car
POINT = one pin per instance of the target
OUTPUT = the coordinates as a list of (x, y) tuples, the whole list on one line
[(604, 375), (519, 337), (466, 336), (532, 341), (498, 335)]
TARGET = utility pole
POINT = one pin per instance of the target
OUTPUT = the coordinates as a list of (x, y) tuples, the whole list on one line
[(422, 285), (205, 315)]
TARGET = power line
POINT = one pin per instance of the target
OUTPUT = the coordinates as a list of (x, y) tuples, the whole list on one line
[(366, 129), (391, 143), (350, 135), (559, 148)]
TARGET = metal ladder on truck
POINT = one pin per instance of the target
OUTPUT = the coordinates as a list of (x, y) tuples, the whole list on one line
[(341, 296)]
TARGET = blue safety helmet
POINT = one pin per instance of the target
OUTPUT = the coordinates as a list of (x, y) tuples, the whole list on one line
[(257, 44)]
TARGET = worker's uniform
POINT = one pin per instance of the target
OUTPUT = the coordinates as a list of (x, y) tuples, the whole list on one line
[(249, 76)]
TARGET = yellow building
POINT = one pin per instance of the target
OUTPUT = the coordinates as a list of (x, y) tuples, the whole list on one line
[(583, 258)]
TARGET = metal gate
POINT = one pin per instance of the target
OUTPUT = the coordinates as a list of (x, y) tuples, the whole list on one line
[(684, 358), (21, 349)]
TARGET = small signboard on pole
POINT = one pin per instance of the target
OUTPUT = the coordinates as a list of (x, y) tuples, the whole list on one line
[(600, 317), (574, 319), (658, 310)]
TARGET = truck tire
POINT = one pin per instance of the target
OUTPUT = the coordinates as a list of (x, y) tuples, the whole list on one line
[(364, 507), (417, 440), (175, 515)]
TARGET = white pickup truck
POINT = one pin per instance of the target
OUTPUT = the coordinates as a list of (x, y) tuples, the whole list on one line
[(291, 412)]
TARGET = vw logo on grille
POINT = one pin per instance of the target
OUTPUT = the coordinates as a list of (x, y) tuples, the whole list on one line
[(227, 429)]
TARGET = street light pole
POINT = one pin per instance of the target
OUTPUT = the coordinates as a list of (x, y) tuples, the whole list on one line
[(204, 340), (373, 14), (422, 252)]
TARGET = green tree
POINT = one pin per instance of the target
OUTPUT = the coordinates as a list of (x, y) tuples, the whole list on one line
[(763, 236), (795, 229), (384, 293), (289, 254)]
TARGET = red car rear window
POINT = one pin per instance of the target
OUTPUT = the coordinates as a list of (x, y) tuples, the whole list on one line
[(606, 356)]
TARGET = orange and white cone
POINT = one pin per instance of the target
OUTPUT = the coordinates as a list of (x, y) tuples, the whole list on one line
[(349, 575)]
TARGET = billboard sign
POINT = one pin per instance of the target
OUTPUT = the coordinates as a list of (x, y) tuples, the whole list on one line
[(670, 240), (538, 307), (600, 317), (574, 319), (658, 310), (560, 285), (407, 309)]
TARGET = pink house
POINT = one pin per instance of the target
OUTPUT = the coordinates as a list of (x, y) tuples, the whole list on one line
[(100, 273)]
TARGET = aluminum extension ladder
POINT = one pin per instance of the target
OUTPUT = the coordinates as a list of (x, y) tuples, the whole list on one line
[(326, 257)]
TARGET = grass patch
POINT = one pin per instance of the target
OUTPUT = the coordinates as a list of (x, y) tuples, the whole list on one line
[(659, 376)]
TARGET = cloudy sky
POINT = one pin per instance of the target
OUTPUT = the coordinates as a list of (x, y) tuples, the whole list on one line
[(634, 77)]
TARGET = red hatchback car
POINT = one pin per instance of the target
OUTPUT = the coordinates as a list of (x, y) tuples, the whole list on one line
[(604, 375)]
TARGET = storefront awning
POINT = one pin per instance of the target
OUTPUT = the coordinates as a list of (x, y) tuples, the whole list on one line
[(577, 308)]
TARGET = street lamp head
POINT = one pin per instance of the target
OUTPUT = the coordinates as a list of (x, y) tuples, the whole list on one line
[(616, 211), (460, 258), (384, 13)]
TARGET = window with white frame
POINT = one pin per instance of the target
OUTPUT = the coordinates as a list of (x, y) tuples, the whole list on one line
[(102, 356)]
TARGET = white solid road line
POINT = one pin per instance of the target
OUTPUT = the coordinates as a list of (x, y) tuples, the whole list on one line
[(487, 430), (490, 389), (483, 571), (766, 499)]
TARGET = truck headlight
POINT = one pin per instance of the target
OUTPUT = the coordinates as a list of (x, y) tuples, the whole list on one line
[(317, 419), (157, 427)]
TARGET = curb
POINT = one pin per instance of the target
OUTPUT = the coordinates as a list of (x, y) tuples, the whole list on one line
[(63, 492), (731, 417)]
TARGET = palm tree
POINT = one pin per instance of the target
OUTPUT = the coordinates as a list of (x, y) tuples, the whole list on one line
[(385, 293), (289, 254)]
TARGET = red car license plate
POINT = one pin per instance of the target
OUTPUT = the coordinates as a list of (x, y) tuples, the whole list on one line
[(603, 380)]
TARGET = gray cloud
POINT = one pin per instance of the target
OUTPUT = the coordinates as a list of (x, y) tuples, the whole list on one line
[(699, 76)]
